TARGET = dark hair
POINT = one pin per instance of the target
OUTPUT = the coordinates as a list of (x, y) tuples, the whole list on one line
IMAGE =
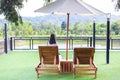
[(52, 39)]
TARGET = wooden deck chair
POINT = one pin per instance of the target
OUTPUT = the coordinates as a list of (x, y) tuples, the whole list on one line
[(49, 61), (83, 62)]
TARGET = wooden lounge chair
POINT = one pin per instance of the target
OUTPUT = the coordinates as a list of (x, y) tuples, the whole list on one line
[(49, 61), (83, 62)]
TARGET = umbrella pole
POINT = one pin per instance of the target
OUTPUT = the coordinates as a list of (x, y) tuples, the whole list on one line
[(67, 36)]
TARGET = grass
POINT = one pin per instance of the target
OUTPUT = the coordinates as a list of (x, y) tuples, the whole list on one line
[(20, 65)]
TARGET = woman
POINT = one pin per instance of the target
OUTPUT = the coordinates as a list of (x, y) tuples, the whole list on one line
[(52, 40)]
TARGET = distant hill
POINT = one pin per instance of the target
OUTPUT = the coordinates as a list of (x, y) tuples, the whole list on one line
[(58, 19)]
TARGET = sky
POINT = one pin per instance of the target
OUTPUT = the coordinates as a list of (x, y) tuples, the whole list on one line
[(106, 6), (30, 6)]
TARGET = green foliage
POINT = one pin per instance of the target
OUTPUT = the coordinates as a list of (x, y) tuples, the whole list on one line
[(115, 27), (24, 29), (1, 31), (46, 2), (118, 4), (9, 8), (81, 28), (63, 25), (101, 28), (78, 29)]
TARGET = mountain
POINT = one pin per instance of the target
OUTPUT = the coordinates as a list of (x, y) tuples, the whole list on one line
[(58, 19)]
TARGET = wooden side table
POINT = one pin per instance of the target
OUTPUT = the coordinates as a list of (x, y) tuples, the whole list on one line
[(66, 66)]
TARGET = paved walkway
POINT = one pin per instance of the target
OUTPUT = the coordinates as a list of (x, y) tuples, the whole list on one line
[(1, 46), (1, 53)]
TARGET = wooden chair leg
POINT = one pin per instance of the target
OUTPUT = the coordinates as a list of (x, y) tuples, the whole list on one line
[(95, 74), (73, 73), (59, 74), (37, 74)]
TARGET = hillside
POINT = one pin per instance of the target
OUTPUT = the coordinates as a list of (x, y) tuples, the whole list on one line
[(57, 19)]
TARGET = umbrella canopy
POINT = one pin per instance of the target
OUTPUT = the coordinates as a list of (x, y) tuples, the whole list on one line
[(69, 7)]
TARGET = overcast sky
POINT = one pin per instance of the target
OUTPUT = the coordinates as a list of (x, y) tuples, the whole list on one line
[(106, 6), (30, 6)]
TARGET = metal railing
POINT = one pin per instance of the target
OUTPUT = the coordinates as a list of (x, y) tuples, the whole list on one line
[(32, 43)]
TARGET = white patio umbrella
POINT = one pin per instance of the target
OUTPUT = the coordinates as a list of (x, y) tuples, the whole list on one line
[(68, 7)]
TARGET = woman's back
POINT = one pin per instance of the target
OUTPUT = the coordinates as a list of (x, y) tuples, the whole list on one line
[(52, 40)]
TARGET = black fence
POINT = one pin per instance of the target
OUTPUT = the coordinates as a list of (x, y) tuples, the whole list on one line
[(32, 43)]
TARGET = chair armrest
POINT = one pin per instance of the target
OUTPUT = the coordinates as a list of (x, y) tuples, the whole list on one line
[(38, 65), (42, 59), (94, 65), (91, 63), (54, 60), (77, 61)]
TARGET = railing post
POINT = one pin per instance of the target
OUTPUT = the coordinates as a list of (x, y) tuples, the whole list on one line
[(14, 43), (94, 32), (87, 42), (11, 48), (90, 41), (5, 40), (69, 43), (72, 43), (111, 43), (108, 39), (30, 43)]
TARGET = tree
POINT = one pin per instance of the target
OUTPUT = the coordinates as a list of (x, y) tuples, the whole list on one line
[(101, 28), (10, 9), (63, 25), (117, 4), (47, 2), (115, 28)]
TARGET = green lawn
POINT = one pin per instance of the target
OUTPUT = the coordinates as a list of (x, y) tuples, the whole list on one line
[(20, 65)]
